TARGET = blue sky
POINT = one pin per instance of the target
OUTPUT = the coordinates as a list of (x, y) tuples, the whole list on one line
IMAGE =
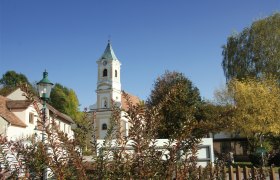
[(66, 37)]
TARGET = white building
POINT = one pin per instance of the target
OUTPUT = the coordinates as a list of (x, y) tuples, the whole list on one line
[(108, 89), (19, 117), (205, 152)]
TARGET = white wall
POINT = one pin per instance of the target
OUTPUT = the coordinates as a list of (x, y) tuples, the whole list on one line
[(17, 95), (205, 153), (3, 126), (126, 122), (103, 133), (30, 129), (65, 127), (15, 133), (23, 115)]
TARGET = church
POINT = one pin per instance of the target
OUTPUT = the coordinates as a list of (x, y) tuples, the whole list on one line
[(109, 90)]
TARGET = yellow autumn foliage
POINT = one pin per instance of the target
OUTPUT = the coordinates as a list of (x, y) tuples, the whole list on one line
[(257, 106)]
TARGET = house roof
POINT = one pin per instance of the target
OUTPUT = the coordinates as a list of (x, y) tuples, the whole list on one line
[(18, 104), (60, 114), (23, 104), (133, 99), (109, 53), (8, 115)]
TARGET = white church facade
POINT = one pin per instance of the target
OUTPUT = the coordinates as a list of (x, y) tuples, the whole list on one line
[(109, 91)]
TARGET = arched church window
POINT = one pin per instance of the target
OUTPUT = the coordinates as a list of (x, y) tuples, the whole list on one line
[(116, 73), (104, 126), (104, 72), (105, 103)]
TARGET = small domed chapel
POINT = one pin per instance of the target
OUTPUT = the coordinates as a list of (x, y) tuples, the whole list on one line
[(109, 89)]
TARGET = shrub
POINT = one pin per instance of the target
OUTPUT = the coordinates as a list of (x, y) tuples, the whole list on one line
[(274, 159)]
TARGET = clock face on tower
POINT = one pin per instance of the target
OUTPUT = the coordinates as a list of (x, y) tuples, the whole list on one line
[(104, 63)]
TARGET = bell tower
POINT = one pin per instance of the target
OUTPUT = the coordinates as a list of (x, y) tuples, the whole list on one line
[(108, 88)]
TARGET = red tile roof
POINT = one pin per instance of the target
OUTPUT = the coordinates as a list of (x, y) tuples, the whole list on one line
[(8, 115), (133, 99)]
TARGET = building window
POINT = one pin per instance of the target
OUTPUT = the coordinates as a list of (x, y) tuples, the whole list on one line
[(116, 73), (31, 118), (105, 73), (244, 147), (104, 126), (105, 104), (226, 147)]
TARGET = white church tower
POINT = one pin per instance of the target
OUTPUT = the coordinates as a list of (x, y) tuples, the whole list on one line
[(108, 89)]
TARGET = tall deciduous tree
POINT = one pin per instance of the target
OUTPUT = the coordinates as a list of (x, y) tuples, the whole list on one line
[(178, 99), (256, 107), (11, 80), (255, 51), (65, 100), (215, 117)]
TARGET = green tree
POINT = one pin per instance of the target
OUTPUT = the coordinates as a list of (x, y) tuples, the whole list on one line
[(255, 51), (58, 97), (215, 117), (179, 100), (11, 80), (65, 100), (72, 108)]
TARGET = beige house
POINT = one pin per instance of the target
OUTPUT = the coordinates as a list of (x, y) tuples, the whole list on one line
[(19, 116)]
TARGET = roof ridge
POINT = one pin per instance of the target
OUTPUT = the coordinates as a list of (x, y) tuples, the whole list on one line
[(60, 114)]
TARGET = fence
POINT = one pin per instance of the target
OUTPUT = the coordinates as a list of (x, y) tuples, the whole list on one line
[(241, 173)]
